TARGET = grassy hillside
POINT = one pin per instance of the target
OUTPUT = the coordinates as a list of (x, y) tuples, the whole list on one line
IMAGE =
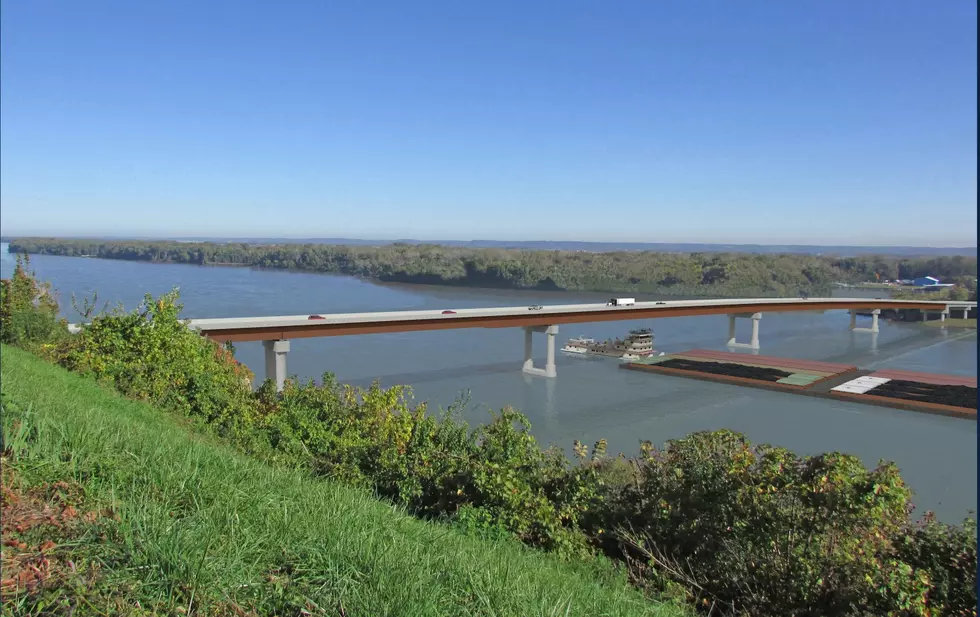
[(149, 518)]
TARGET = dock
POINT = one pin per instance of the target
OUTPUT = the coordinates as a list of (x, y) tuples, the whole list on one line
[(947, 395)]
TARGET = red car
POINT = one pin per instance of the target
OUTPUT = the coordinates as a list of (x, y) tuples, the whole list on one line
[(449, 312)]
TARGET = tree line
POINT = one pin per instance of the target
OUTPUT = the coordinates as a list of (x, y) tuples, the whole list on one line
[(680, 274)]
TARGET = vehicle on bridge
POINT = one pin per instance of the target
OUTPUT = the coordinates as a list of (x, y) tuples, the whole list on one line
[(621, 302)]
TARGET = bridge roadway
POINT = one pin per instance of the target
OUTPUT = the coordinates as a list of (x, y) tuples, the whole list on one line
[(275, 332)]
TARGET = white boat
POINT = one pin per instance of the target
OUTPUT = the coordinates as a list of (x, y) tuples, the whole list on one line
[(578, 345), (639, 344)]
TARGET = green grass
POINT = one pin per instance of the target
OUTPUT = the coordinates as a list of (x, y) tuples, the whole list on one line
[(951, 322), (200, 529)]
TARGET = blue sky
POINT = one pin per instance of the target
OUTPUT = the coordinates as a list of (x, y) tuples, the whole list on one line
[(702, 121)]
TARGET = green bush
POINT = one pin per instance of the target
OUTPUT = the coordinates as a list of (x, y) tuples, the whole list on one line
[(735, 528), (149, 354), (494, 477), (948, 555), (755, 530), (28, 310)]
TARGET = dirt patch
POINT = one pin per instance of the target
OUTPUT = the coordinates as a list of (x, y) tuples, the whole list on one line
[(730, 369), (954, 396)]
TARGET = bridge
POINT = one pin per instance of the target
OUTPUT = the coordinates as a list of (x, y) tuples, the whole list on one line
[(276, 332)]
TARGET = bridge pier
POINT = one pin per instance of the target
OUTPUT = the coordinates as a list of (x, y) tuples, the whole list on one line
[(754, 343), (942, 314), (549, 367), (275, 361), (874, 322)]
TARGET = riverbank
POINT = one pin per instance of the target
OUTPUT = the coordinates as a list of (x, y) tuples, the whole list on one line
[(180, 522), (888, 286), (951, 322), (667, 274)]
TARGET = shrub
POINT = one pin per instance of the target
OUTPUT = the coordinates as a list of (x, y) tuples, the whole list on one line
[(149, 354), (28, 310), (495, 477), (756, 530), (948, 555)]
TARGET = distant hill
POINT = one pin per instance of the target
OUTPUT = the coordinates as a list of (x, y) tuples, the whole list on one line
[(594, 247)]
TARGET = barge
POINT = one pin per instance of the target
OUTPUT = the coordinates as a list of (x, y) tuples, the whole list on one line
[(947, 395)]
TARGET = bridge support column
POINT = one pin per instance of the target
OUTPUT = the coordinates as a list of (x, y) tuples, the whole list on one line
[(275, 361), (755, 317), (966, 313), (874, 322), (549, 368), (942, 314)]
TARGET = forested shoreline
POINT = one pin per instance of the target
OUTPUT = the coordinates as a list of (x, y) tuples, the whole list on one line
[(681, 274)]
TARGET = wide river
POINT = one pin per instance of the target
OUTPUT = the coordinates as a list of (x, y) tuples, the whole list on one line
[(591, 398)]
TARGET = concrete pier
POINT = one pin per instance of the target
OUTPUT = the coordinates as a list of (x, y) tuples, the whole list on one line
[(942, 314), (874, 322), (754, 341), (551, 332), (275, 361)]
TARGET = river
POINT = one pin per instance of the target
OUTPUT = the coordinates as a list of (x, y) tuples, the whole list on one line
[(591, 398)]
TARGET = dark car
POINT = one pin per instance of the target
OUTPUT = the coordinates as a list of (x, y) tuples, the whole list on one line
[(449, 312), (316, 317), (536, 307)]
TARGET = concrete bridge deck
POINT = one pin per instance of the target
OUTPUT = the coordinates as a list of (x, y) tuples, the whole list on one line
[(276, 332), (341, 324)]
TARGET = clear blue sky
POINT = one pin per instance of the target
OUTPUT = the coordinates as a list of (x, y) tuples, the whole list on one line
[(810, 121)]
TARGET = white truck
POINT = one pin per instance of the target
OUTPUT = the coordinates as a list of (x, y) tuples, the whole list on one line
[(621, 302)]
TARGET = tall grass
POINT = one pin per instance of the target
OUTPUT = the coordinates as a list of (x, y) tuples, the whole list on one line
[(199, 529)]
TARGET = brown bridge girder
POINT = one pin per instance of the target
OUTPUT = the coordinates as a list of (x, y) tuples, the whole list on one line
[(315, 329)]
